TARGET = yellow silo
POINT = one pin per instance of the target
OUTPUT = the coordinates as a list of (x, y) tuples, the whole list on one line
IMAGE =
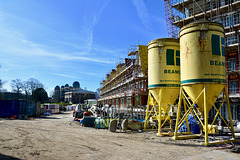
[(203, 73), (163, 79)]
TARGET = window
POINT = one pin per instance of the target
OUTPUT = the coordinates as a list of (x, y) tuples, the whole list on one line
[(234, 111), (178, 58), (122, 103), (233, 87), (224, 21), (222, 2), (236, 18), (223, 46), (117, 103), (216, 45), (170, 57), (232, 64), (186, 12)]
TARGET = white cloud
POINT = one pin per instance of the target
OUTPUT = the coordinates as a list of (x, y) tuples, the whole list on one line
[(142, 13), (89, 28), (16, 44), (37, 50), (65, 75), (90, 74)]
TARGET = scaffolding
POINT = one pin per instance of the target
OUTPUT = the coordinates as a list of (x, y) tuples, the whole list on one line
[(172, 30), (126, 81), (225, 12)]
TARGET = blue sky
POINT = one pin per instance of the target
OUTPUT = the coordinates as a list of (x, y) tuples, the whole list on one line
[(61, 41)]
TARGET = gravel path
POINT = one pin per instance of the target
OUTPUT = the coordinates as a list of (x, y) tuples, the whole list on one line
[(59, 137)]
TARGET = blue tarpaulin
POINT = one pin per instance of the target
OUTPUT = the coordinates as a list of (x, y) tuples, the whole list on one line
[(193, 126)]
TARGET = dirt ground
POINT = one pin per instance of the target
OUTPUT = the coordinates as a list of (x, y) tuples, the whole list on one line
[(59, 137)]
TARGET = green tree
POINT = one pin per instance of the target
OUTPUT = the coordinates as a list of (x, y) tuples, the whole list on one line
[(40, 95)]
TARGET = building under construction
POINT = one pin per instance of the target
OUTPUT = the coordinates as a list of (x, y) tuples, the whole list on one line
[(126, 85), (226, 12)]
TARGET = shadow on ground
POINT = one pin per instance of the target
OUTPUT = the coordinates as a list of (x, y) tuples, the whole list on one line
[(183, 144), (5, 157), (47, 117)]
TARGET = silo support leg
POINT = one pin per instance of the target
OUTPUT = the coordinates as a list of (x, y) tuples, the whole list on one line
[(205, 116), (178, 113), (229, 112), (159, 114), (185, 109), (159, 120), (218, 111), (147, 111)]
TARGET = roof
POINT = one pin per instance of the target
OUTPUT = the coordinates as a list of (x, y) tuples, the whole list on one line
[(81, 91)]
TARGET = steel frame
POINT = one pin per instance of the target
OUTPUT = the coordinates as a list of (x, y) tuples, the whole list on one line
[(189, 108), (154, 111)]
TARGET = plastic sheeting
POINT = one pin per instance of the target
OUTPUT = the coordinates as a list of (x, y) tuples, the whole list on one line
[(193, 126)]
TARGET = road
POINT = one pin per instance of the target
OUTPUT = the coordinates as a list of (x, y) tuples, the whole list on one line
[(59, 137)]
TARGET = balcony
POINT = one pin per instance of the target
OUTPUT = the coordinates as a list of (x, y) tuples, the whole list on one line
[(196, 11), (233, 69), (233, 90), (234, 93), (232, 66)]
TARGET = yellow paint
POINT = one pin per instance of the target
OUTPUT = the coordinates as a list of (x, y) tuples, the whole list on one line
[(113, 73), (104, 82), (108, 77), (203, 76), (213, 91), (143, 52), (199, 63), (120, 67), (163, 78)]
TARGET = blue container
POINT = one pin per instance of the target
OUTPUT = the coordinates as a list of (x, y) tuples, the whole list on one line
[(88, 121), (14, 107), (9, 108), (22, 107), (5, 109), (31, 109)]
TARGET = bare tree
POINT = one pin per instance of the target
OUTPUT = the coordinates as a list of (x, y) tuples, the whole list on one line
[(1, 84), (51, 93), (34, 84), (2, 90), (16, 86), (26, 89)]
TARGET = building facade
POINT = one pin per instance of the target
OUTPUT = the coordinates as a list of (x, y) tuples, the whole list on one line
[(71, 94), (126, 85), (225, 12), (78, 96)]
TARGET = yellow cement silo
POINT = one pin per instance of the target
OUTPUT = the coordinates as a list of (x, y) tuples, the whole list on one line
[(163, 79), (203, 73)]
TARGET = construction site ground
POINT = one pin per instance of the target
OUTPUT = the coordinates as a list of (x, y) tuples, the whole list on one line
[(59, 137)]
